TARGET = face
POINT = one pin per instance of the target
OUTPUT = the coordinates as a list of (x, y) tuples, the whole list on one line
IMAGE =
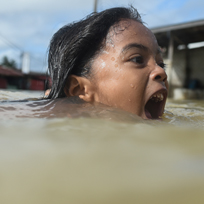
[(129, 73)]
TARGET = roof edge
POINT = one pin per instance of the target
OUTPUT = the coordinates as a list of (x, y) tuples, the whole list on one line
[(177, 26)]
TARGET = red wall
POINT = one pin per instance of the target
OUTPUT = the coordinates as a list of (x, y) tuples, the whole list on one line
[(37, 85), (3, 83)]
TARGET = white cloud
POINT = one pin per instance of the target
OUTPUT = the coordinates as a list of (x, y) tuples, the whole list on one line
[(43, 5)]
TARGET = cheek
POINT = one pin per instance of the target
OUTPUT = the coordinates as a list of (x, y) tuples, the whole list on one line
[(120, 86)]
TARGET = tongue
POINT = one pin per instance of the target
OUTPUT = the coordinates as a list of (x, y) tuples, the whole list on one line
[(148, 114)]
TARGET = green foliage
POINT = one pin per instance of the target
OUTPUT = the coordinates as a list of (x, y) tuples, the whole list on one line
[(8, 62)]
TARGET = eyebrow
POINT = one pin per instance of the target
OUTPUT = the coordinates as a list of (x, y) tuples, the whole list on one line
[(140, 46)]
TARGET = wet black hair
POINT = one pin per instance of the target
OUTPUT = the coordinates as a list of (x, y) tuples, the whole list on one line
[(73, 47)]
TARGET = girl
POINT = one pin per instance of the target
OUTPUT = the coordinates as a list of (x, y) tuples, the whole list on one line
[(111, 58)]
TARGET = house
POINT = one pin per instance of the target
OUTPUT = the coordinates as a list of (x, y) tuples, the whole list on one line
[(11, 78), (183, 48)]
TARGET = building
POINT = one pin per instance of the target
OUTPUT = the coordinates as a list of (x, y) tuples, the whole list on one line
[(11, 78), (183, 47)]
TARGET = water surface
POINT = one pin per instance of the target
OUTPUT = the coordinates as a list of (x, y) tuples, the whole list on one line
[(95, 154)]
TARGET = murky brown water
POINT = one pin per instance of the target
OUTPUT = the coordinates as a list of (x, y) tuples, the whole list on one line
[(94, 154)]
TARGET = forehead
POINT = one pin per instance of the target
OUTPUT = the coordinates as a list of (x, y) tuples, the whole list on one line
[(130, 31)]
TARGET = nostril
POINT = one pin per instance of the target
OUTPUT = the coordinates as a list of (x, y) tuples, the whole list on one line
[(158, 77)]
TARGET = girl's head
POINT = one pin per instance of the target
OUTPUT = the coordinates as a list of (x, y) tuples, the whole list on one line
[(112, 58)]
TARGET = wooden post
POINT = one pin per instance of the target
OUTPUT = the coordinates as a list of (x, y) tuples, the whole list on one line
[(170, 60), (187, 70)]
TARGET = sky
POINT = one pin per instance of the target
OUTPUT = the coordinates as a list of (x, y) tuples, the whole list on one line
[(28, 25)]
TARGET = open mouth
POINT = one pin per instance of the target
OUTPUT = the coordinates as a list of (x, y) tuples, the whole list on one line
[(155, 105)]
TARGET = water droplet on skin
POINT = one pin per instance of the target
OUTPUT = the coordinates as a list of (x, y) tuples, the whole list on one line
[(113, 58), (103, 64), (105, 52)]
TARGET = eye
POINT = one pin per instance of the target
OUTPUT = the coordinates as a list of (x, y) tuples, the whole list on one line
[(137, 59), (162, 65)]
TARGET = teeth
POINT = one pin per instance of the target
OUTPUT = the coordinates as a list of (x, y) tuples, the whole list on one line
[(157, 97)]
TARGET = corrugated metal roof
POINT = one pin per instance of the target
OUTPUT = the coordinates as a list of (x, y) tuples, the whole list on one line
[(178, 26), (5, 71), (184, 33)]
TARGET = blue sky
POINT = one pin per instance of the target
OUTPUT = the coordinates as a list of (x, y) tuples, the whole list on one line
[(28, 25)]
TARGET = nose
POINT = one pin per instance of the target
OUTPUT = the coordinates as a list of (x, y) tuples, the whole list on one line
[(158, 74)]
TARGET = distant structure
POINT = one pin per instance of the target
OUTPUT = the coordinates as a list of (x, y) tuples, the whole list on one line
[(11, 78), (183, 48), (25, 63)]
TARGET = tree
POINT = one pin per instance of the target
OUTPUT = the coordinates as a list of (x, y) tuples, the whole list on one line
[(8, 62)]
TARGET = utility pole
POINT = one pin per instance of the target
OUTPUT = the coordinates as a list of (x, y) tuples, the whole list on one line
[(95, 5), (25, 63)]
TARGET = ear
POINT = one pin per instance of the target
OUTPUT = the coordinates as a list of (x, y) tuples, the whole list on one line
[(80, 86)]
